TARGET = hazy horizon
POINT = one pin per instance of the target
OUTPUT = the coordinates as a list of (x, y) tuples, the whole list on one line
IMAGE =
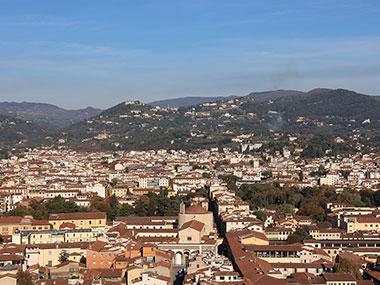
[(99, 54), (164, 99)]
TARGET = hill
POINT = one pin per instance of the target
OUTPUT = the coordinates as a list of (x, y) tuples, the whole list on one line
[(15, 132), (46, 115), (134, 125), (191, 101), (187, 101), (273, 95)]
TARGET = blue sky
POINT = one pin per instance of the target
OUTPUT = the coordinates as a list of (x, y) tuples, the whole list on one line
[(98, 53)]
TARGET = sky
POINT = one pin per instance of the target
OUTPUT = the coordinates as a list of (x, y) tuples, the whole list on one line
[(79, 53)]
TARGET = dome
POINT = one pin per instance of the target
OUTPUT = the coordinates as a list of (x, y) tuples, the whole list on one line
[(196, 210)]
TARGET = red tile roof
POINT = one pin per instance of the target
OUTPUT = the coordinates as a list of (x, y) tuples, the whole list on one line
[(77, 216)]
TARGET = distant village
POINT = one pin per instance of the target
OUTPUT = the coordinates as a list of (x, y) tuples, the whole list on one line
[(216, 238)]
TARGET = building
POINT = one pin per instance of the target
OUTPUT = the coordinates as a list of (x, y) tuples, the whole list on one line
[(196, 213), (96, 220), (9, 224)]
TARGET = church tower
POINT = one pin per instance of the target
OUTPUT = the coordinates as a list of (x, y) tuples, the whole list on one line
[(182, 208)]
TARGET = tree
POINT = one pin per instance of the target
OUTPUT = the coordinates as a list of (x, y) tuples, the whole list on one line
[(18, 211), (141, 208), (113, 182), (83, 260), (300, 175), (63, 256), (285, 209), (98, 204), (324, 225), (260, 215), (229, 178), (267, 174), (348, 195), (206, 175), (357, 203), (347, 265), (293, 239), (38, 210), (126, 210), (312, 209), (112, 210), (60, 205), (24, 278), (298, 236)]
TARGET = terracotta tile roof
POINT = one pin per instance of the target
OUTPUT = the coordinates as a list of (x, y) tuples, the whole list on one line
[(67, 226), (77, 216), (10, 220), (338, 277), (265, 280), (198, 210), (198, 226), (97, 246)]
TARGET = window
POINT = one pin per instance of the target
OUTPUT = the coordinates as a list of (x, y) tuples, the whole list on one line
[(188, 238), (94, 255), (94, 262)]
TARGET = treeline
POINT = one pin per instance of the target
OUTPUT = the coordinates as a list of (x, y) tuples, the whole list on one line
[(160, 204), (151, 204), (309, 201)]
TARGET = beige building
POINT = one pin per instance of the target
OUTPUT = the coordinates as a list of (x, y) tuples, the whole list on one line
[(132, 273), (48, 254), (191, 232), (354, 224), (8, 279), (9, 224), (54, 236), (119, 191), (96, 220), (196, 213), (325, 234)]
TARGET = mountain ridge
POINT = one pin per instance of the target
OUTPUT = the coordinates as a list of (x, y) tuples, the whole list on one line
[(135, 125), (195, 100), (46, 115), (15, 132), (188, 101)]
